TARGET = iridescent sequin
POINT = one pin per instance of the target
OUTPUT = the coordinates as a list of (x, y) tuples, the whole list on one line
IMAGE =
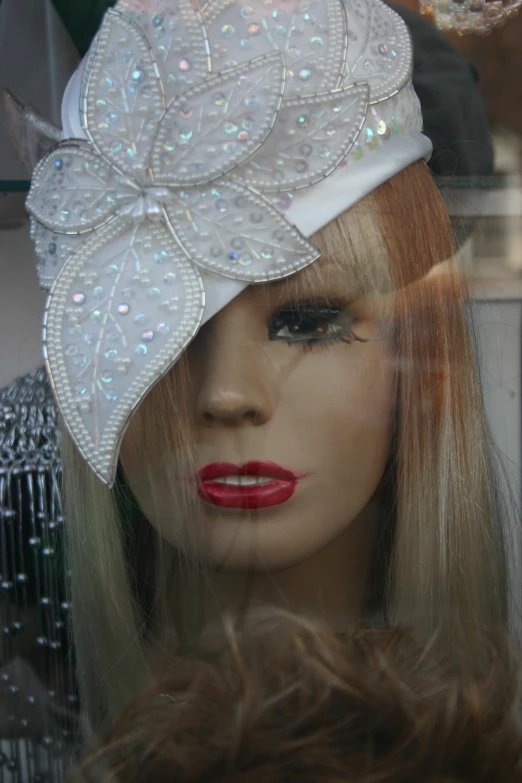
[(230, 127), (78, 207), (283, 202)]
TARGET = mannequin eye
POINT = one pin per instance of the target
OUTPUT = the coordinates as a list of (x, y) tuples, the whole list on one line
[(311, 325)]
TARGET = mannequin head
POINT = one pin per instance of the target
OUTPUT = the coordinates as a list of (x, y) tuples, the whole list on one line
[(396, 419), (297, 373)]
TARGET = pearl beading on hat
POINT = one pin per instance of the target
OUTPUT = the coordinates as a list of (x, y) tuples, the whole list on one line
[(200, 128)]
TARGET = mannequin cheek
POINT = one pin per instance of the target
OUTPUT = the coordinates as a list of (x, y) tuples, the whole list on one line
[(357, 408)]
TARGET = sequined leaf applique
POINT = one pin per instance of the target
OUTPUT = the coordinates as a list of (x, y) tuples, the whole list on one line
[(122, 310), (311, 35), (310, 138), (73, 189), (217, 124), (229, 230), (178, 38), (52, 250), (379, 49), (122, 95)]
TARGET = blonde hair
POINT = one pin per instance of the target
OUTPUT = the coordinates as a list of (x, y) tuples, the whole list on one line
[(444, 568)]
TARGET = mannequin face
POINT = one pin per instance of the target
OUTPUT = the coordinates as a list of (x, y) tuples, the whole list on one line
[(285, 375)]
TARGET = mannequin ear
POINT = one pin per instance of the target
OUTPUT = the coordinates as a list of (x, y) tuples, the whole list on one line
[(32, 136)]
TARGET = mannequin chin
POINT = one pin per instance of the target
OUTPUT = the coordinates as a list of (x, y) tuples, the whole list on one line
[(322, 411)]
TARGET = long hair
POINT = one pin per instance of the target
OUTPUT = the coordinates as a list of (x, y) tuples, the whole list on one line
[(442, 553), (287, 699)]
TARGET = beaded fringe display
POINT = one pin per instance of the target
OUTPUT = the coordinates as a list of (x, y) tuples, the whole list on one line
[(38, 701)]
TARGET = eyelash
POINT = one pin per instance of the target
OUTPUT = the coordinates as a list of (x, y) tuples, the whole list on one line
[(317, 316)]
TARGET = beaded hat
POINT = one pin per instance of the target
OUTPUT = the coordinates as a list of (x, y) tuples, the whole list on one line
[(202, 146)]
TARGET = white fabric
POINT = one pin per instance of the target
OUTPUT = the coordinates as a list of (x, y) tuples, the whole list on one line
[(323, 202), (312, 209)]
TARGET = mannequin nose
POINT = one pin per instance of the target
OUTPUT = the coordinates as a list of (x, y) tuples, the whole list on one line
[(236, 383), (232, 408)]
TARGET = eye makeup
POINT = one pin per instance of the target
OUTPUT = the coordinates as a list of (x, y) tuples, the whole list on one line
[(311, 325)]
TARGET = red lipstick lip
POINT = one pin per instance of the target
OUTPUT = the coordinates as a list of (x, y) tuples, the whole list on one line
[(216, 470), (282, 486)]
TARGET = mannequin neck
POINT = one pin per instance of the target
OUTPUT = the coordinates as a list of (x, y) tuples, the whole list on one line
[(331, 584)]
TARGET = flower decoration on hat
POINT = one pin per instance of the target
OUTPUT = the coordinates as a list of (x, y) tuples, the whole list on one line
[(195, 124)]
